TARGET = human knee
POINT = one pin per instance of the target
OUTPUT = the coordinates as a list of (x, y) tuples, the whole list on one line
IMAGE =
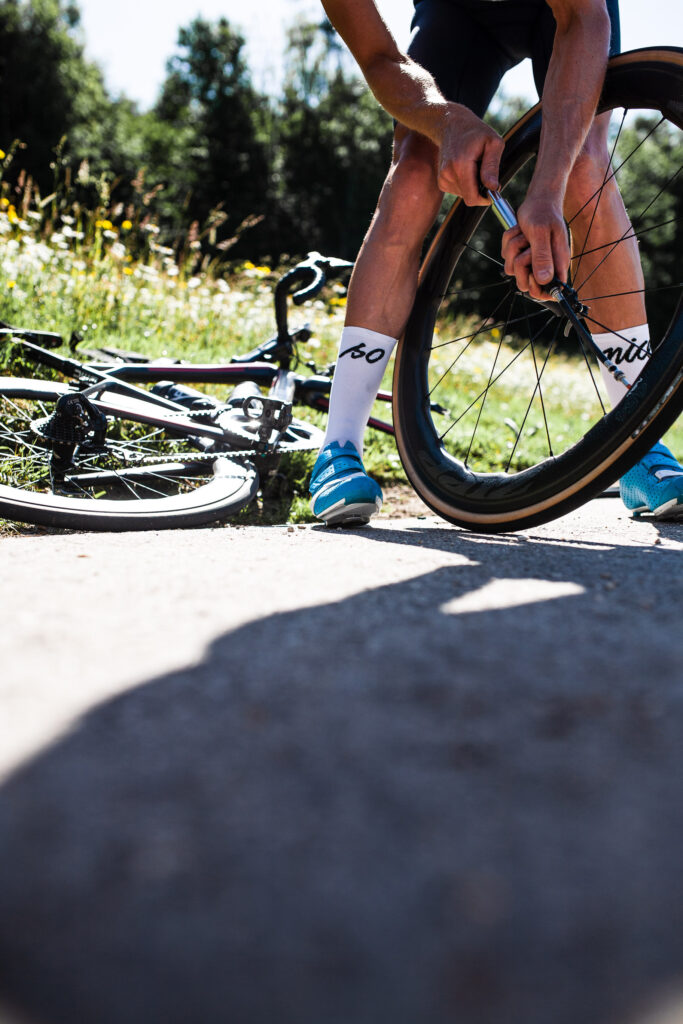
[(413, 172), (411, 196)]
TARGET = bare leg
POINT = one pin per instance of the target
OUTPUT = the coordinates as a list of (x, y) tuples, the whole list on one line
[(382, 289), (381, 295), (597, 217)]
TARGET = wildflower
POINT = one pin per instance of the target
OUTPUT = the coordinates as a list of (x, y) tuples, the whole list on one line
[(104, 225), (3, 154), (12, 215), (128, 272), (11, 285), (163, 250), (127, 225), (4, 203)]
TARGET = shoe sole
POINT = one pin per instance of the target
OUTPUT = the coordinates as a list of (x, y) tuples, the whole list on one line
[(354, 514), (669, 510)]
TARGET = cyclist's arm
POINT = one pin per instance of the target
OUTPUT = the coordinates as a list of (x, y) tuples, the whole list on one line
[(570, 97), (410, 94)]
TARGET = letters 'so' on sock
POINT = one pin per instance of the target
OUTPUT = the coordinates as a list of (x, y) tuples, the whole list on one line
[(630, 350), (363, 358)]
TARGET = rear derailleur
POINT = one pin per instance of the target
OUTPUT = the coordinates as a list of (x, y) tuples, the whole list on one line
[(75, 424)]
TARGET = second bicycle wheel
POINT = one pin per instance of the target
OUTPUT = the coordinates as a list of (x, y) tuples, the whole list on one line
[(501, 419), (141, 478)]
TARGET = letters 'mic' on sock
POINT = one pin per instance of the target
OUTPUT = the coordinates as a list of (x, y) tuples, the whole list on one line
[(629, 349)]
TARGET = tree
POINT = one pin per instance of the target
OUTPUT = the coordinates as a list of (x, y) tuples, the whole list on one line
[(215, 153), (49, 90), (335, 146)]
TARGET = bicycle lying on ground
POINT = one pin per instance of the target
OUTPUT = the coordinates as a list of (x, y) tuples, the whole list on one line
[(500, 424), (103, 453)]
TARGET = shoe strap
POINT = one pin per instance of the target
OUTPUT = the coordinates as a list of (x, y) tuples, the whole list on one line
[(335, 464)]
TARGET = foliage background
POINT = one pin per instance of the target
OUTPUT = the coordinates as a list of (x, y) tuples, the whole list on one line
[(248, 173)]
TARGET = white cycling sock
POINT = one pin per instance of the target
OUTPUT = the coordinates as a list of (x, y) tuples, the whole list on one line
[(630, 350), (363, 358)]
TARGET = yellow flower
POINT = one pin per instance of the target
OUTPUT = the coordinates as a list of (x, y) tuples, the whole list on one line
[(127, 225), (104, 225), (3, 154), (12, 215), (11, 284), (128, 272), (4, 203)]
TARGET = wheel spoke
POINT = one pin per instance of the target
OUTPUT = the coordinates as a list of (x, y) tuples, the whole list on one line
[(493, 370), (495, 379), (538, 388)]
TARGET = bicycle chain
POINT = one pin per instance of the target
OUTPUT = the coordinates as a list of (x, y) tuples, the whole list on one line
[(228, 453), (231, 453)]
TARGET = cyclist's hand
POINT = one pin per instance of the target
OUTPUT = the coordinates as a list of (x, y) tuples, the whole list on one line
[(538, 249), (469, 156)]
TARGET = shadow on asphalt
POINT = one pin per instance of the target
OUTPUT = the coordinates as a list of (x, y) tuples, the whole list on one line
[(373, 811)]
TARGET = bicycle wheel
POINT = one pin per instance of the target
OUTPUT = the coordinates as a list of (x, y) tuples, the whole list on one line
[(523, 431), (142, 478)]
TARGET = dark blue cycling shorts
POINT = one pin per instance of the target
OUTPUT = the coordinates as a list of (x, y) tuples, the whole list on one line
[(468, 45)]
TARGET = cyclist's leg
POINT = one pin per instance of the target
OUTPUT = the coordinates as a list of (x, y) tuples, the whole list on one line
[(384, 280), (606, 263), (381, 294), (467, 64)]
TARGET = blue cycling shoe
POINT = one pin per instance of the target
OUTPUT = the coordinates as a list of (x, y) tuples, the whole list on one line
[(343, 493), (655, 484)]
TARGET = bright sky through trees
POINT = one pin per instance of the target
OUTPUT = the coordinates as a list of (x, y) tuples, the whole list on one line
[(133, 38)]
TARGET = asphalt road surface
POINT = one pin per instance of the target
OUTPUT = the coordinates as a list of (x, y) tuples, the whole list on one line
[(407, 774)]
